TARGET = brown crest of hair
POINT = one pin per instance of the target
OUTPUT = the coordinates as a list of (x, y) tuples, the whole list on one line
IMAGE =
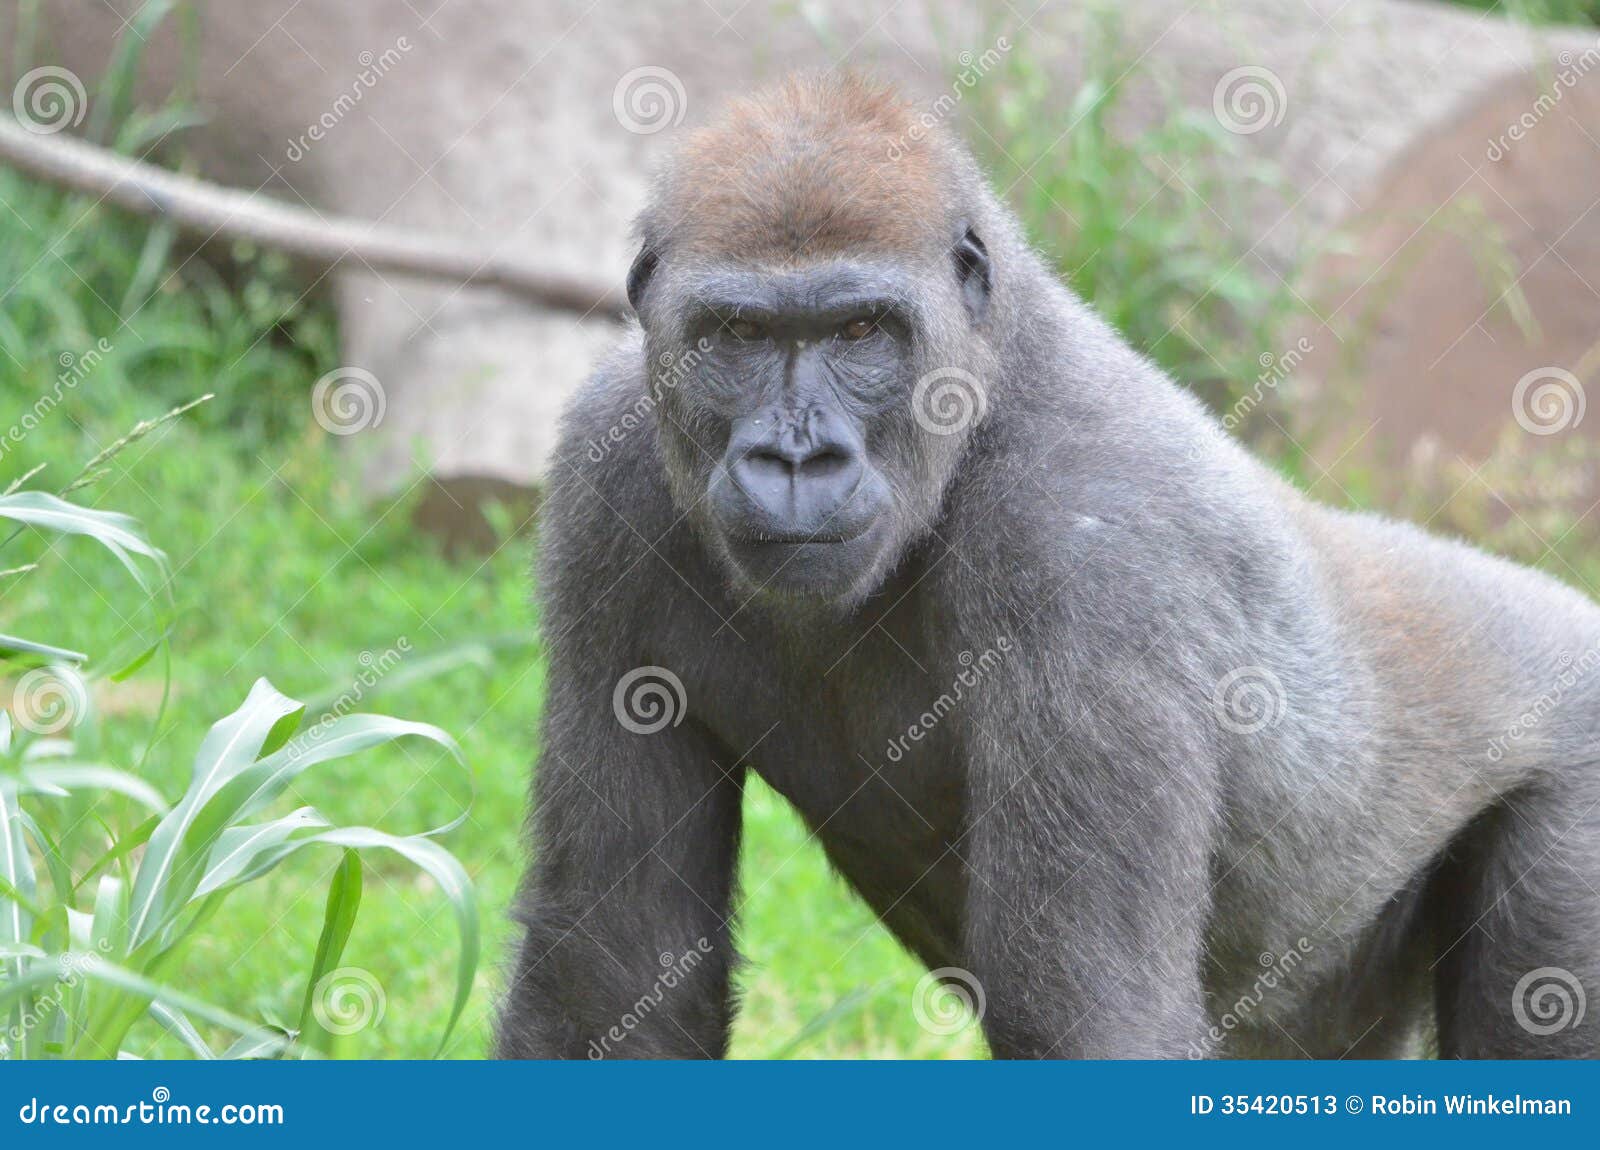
[(812, 167)]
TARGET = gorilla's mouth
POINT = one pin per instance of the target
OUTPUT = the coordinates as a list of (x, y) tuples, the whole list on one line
[(825, 565), (804, 537), (795, 538)]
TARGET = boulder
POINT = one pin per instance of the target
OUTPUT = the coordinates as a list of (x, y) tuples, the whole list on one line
[(531, 126)]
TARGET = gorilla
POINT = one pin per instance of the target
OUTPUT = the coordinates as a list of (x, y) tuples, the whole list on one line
[(1107, 723)]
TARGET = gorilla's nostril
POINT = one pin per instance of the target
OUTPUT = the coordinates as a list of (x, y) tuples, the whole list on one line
[(822, 463), (790, 476)]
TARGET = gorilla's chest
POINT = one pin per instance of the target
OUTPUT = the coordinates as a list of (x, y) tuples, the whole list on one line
[(859, 731), (866, 739)]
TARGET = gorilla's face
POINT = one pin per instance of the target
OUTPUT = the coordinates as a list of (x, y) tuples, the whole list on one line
[(805, 374), (800, 432)]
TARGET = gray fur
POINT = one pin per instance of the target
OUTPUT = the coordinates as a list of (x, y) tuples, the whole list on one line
[(1115, 857)]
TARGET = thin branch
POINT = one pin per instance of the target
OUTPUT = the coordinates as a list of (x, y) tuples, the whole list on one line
[(207, 209)]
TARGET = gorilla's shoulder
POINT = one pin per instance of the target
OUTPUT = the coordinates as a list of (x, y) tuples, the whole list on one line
[(605, 497), (606, 452)]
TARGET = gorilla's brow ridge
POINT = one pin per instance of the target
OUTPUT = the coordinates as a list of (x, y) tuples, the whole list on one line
[(831, 291)]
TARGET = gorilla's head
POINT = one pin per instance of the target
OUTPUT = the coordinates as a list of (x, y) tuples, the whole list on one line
[(815, 290)]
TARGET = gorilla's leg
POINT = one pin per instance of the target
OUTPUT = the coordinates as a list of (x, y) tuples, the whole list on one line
[(1518, 910)]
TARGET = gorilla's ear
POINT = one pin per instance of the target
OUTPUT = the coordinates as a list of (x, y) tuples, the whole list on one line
[(972, 270), (644, 265)]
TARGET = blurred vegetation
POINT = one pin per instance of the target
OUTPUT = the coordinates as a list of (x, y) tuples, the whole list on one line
[(1542, 11), (1153, 228), (281, 569)]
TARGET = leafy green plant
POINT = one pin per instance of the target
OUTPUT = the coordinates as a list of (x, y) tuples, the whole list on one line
[(94, 910), (103, 315)]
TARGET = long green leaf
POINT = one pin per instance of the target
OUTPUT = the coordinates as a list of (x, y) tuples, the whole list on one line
[(11, 893), (16, 872), (122, 845), (338, 919), (99, 969), (15, 866), (433, 859), (110, 931), (132, 665), (263, 1044), (172, 861), (117, 533), (55, 864), (177, 1022), (11, 643), (238, 847), (64, 778), (261, 782)]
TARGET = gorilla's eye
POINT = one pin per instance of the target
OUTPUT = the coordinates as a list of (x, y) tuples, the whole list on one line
[(858, 329), (744, 330)]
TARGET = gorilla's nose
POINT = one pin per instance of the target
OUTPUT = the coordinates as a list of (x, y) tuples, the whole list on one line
[(797, 476)]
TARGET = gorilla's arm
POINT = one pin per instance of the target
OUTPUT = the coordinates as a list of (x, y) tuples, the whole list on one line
[(1077, 858), (627, 950), (1092, 788)]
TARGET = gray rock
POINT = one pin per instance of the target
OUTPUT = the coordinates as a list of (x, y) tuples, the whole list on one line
[(532, 127)]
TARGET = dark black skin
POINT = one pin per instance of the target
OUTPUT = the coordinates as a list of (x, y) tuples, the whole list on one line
[(803, 660)]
